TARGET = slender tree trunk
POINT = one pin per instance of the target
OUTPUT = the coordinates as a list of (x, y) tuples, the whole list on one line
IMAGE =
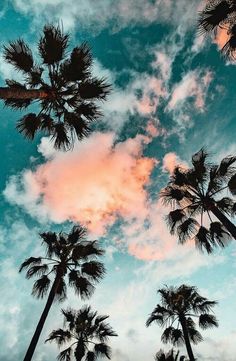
[(186, 338), (224, 220), (17, 93), (35, 338)]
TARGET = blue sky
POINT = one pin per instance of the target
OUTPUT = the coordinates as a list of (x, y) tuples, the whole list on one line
[(172, 94)]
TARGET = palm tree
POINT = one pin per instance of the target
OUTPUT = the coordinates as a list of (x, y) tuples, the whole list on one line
[(194, 194), (88, 333), (178, 307), (170, 356), (220, 14), (62, 84), (66, 255)]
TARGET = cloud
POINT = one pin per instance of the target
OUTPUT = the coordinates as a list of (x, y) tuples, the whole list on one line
[(95, 184), (100, 14), (170, 161)]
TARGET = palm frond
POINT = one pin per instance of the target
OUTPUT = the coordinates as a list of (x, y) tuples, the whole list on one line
[(49, 239), (178, 178), (17, 103), (60, 137), (94, 88), (29, 125), (93, 270), (47, 124), (19, 55), (232, 185), (89, 110), (70, 317), (77, 124), (225, 168), (225, 205), (78, 66), (207, 321), (203, 240), (82, 286), (213, 15), (87, 250), (167, 334), (37, 270), (31, 261), (186, 229), (177, 337), (174, 218), (219, 234), (60, 336), (172, 195), (53, 44), (200, 164), (90, 356), (77, 234), (102, 350), (65, 355), (61, 294), (34, 77), (41, 286), (194, 335)]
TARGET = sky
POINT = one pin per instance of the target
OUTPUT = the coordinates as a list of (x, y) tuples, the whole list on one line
[(172, 93)]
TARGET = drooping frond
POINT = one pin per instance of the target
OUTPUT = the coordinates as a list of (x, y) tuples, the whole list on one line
[(31, 261), (77, 234), (93, 270), (203, 240), (77, 125), (60, 336), (65, 355), (167, 335), (61, 294), (82, 286), (90, 356), (29, 125), (187, 229), (87, 250), (19, 55), (174, 218), (159, 315), (61, 137), (225, 168), (207, 321), (52, 44), (172, 195), (102, 350), (225, 205), (219, 234), (213, 15), (37, 270), (90, 111), (194, 335), (41, 286), (177, 337)]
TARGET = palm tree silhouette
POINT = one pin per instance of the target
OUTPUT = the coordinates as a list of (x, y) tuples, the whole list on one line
[(66, 255), (193, 195), (62, 84), (220, 14), (88, 333), (170, 356), (179, 305)]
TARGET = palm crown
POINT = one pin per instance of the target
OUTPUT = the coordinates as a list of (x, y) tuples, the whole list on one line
[(62, 84), (170, 356), (68, 255), (194, 194), (178, 307), (88, 333), (222, 14)]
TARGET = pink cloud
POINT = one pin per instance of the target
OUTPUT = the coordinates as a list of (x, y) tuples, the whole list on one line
[(193, 85), (170, 161), (95, 184)]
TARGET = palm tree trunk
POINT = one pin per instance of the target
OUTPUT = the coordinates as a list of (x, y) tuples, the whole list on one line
[(18, 93), (186, 338), (35, 338), (224, 220)]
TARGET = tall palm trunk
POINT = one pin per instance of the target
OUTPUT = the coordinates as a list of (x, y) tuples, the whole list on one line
[(18, 93), (186, 338), (224, 220), (35, 338)]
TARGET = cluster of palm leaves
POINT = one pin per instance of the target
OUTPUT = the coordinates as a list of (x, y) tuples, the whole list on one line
[(220, 14), (69, 256), (60, 82), (87, 332), (200, 207), (169, 356), (177, 312)]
